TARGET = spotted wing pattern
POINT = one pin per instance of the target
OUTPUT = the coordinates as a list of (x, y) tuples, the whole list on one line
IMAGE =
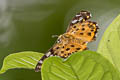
[(85, 31), (79, 32), (67, 45)]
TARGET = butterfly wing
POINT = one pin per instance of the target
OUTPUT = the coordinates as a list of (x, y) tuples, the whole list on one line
[(82, 28), (66, 49), (85, 31), (68, 44), (80, 17)]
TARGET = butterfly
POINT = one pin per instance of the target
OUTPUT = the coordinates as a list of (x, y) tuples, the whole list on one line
[(79, 32)]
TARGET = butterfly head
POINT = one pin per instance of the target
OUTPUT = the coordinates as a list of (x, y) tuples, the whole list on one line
[(64, 38)]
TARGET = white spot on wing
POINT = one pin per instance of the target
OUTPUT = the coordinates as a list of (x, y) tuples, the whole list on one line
[(80, 19), (96, 24), (74, 21), (90, 15), (48, 54), (51, 55), (77, 15), (40, 61)]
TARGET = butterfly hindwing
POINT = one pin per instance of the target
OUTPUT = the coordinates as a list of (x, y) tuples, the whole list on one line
[(68, 45)]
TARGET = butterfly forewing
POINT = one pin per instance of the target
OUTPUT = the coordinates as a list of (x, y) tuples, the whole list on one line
[(85, 30)]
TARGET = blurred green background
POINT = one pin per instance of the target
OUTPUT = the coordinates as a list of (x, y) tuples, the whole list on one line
[(27, 25)]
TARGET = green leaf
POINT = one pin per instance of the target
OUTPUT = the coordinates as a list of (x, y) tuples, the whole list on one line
[(109, 45), (27, 59), (85, 65)]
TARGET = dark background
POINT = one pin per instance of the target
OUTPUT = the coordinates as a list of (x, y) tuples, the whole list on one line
[(27, 25)]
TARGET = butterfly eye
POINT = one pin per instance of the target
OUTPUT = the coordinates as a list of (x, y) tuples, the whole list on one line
[(59, 40)]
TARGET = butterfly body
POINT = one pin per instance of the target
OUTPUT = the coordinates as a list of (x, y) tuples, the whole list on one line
[(78, 34)]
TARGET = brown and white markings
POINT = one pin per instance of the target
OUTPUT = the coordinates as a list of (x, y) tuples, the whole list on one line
[(79, 32)]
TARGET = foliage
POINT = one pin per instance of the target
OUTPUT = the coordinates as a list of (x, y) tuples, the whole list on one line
[(27, 59), (79, 66), (110, 43)]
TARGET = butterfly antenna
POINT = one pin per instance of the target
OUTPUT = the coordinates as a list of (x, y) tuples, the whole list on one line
[(54, 36)]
